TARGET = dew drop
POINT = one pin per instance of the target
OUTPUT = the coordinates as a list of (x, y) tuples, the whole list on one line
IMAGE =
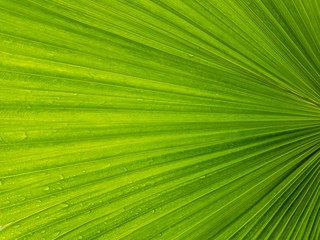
[(64, 205), (61, 177), (57, 233), (46, 188), (43, 231), (190, 55), (23, 198), (79, 237), (22, 136), (16, 225)]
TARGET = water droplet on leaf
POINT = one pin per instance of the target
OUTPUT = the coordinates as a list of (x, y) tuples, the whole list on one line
[(57, 233), (64, 205)]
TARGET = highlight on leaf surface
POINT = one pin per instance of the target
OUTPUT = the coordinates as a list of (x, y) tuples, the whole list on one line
[(169, 119)]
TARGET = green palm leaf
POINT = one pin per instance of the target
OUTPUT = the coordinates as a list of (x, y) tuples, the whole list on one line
[(159, 119)]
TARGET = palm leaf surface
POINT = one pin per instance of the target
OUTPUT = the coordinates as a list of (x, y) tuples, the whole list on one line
[(159, 119)]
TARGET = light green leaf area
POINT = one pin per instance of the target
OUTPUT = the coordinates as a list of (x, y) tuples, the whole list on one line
[(160, 119)]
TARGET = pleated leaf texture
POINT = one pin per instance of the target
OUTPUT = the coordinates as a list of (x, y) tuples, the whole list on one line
[(160, 119)]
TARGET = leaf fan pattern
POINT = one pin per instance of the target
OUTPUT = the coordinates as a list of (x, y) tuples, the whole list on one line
[(160, 119)]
